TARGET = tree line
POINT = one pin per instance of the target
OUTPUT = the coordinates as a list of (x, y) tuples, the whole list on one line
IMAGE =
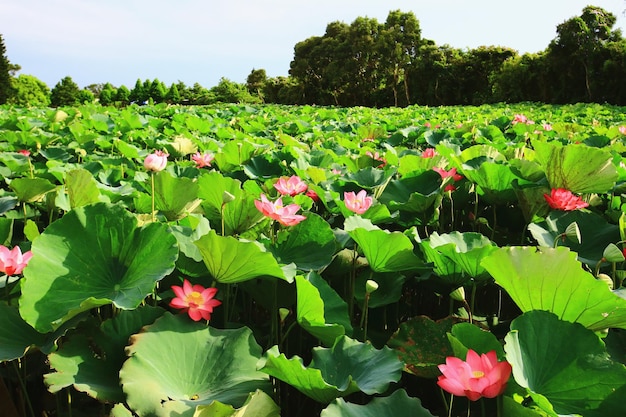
[(368, 63)]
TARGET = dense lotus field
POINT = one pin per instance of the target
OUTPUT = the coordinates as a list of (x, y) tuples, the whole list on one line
[(263, 261)]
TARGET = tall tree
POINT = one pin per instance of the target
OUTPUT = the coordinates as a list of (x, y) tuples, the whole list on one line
[(256, 81), (65, 93), (399, 45), (581, 39), (122, 95), (6, 88)]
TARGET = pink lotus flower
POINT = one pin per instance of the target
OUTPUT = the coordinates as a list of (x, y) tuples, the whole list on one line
[(24, 152), (156, 161), (448, 174), (357, 203), (313, 195), (429, 153), (546, 126), (12, 262), (476, 377), (285, 215), (622, 130), (562, 199), (290, 186), (203, 159), (195, 300)]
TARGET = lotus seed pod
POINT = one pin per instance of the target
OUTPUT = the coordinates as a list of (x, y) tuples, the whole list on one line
[(370, 286), (458, 294)]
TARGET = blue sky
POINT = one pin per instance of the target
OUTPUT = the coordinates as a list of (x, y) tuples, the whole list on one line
[(119, 41)]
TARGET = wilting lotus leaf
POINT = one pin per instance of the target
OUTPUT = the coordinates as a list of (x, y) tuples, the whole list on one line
[(567, 364), (81, 187), (422, 344), (258, 404), (230, 260), (577, 168), (320, 310), (349, 366), (92, 256), (91, 361), (16, 336), (385, 251), (553, 280), (176, 364), (309, 244), (464, 249), (398, 404)]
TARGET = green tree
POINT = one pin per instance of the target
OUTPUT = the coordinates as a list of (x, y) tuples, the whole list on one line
[(106, 95), (228, 91), (85, 96), (138, 94), (399, 44), (582, 40), (29, 91), (65, 93), (6, 87), (173, 96), (156, 91), (256, 81), (122, 95)]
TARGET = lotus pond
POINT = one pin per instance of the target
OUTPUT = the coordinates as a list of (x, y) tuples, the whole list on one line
[(313, 261)]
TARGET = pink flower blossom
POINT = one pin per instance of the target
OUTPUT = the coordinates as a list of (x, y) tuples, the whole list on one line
[(156, 161), (285, 215), (357, 203), (562, 199), (24, 152), (520, 118), (203, 160), (546, 126), (448, 174), (429, 153), (290, 185), (336, 171), (476, 377), (12, 262), (427, 124), (195, 300), (313, 195), (622, 130)]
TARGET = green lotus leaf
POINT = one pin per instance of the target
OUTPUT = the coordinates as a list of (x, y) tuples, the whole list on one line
[(320, 310), (465, 336), (422, 344), (176, 364), (398, 404), (81, 187), (415, 194), (567, 364), (390, 286), (119, 410), (174, 196), (596, 233), (349, 366), (230, 260), (553, 280), (239, 215), (94, 255), (16, 336), (90, 361), (31, 189), (464, 249), (258, 404), (385, 251), (495, 181), (579, 169), (309, 244), (369, 177), (444, 268), (262, 167), (187, 231), (234, 154)]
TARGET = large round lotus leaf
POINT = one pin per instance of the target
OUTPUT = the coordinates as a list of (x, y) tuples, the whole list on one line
[(495, 181), (16, 336), (176, 364), (385, 251), (553, 280), (567, 364), (174, 196), (422, 344), (465, 249), (90, 361), (92, 256), (578, 168), (348, 367), (258, 404), (398, 404)]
